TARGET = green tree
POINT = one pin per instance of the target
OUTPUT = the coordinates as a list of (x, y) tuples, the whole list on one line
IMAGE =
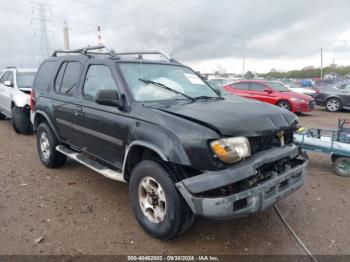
[(249, 75)]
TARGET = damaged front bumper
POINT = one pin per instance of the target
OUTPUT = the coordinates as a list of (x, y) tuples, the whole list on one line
[(275, 173)]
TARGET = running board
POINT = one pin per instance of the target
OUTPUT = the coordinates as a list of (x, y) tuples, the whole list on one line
[(90, 163)]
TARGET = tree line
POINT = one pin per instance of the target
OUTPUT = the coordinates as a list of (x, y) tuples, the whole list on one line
[(308, 73)]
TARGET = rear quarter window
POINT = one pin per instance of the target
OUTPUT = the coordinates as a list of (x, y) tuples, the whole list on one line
[(45, 75)]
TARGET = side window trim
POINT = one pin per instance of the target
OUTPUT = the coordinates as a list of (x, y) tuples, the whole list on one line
[(65, 64), (57, 89)]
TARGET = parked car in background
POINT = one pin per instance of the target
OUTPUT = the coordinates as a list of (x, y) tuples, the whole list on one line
[(301, 90), (307, 83), (15, 87), (218, 83), (274, 93), (183, 149), (334, 97)]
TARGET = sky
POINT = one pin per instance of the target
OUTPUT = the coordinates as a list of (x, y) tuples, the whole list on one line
[(208, 35)]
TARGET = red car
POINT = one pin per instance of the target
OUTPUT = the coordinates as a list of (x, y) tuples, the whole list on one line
[(274, 93)]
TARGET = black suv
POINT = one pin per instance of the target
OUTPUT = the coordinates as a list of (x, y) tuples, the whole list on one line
[(157, 125)]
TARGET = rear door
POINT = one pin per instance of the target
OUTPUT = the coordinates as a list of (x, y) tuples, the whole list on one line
[(100, 128), (242, 89), (64, 99)]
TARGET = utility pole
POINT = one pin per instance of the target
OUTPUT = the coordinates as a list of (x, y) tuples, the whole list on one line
[(99, 37), (243, 60), (321, 64), (65, 36), (42, 13)]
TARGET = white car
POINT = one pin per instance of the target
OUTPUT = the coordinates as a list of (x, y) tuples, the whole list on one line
[(15, 87), (301, 90)]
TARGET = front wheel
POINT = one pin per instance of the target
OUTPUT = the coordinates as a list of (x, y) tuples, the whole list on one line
[(2, 116), (334, 104), (46, 142), (341, 166), (284, 105), (20, 120), (157, 205)]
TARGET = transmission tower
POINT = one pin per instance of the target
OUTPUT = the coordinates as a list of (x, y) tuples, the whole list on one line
[(42, 21)]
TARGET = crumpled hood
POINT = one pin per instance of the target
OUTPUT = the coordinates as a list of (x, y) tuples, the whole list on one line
[(234, 116)]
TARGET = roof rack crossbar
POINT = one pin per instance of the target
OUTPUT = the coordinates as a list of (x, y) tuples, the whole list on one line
[(140, 53), (78, 51)]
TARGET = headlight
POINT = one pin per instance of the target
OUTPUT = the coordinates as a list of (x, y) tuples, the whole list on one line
[(298, 100), (231, 150)]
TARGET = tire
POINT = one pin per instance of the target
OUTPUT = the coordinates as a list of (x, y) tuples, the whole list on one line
[(285, 105), (2, 117), (334, 104), (173, 216), (20, 121), (341, 166), (46, 142)]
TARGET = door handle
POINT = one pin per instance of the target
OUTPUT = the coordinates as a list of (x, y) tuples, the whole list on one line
[(78, 110)]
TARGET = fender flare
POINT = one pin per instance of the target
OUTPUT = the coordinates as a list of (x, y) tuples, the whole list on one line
[(44, 115), (145, 144)]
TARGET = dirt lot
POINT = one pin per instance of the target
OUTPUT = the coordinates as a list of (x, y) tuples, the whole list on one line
[(77, 211)]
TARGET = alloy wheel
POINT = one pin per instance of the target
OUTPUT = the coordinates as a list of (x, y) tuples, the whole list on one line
[(44, 145), (152, 199)]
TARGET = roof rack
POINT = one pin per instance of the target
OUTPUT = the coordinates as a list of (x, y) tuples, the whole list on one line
[(85, 51), (112, 53)]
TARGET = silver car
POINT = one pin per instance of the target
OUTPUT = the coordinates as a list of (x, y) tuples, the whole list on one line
[(15, 87), (334, 97)]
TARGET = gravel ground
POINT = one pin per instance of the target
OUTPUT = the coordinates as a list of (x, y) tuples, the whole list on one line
[(73, 210)]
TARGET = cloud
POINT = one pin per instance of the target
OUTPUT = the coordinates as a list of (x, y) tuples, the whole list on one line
[(287, 33)]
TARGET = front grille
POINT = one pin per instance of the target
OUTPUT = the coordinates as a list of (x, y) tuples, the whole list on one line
[(263, 175), (261, 143), (311, 104)]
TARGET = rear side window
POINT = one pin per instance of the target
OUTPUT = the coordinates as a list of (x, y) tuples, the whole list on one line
[(44, 75), (98, 77), (241, 86), (257, 87), (68, 78)]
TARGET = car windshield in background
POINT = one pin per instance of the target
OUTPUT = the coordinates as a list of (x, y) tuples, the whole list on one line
[(179, 78), (293, 85), (278, 86), (25, 79)]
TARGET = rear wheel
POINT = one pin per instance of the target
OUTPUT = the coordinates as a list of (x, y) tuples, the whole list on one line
[(334, 104), (284, 105), (46, 144), (158, 206), (20, 120), (341, 166)]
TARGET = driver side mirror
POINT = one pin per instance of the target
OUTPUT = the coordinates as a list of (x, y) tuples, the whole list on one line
[(8, 83), (268, 90), (108, 97)]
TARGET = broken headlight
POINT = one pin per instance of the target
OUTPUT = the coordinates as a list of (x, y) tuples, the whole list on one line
[(231, 150)]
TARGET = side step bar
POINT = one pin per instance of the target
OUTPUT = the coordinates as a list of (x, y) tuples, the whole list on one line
[(90, 163)]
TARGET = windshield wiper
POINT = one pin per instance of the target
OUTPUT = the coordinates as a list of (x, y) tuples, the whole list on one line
[(147, 81), (209, 97)]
